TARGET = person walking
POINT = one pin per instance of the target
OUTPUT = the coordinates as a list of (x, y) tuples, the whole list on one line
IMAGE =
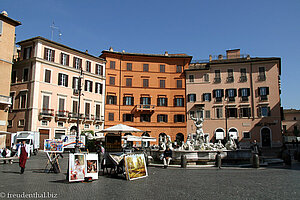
[(23, 154), (167, 157)]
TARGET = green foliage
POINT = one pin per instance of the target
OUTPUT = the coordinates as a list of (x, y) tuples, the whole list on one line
[(87, 132), (91, 145)]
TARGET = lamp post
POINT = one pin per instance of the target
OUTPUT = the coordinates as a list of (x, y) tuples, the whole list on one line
[(226, 115), (78, 112)]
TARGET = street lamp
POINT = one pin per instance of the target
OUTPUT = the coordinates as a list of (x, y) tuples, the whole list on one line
[(78, 112)]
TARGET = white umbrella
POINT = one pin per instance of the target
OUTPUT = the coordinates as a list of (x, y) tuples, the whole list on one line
[(121, 128)]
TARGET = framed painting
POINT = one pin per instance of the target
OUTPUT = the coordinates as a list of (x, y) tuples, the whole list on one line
[(77, 167), (53, 146), (92, 166), (135, 166)]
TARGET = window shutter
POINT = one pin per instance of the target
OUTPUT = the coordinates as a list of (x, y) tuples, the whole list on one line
[(85, 85), (258, 91), (214, 93), (91, 88), (61, 58), (52, 55), (267, 90), (249, 112), (96, 87), (80, 63), (241, 113), (68, 57), (115, 99), (203, 96), (235, 92), (149, 100), (101, 90), (175, 102), (59, 78), (73, 83), (226, 93), (67, 80), (132, 101), (45, 53), (96, 69), (240, 92), (209, 96), (141, 100), (222, 93), (175, 118), (248, 92), (189, 97)]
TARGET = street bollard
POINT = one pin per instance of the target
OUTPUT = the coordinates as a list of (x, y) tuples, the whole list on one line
[(287, 158), (218, 160), (183, 161), (255, 159)]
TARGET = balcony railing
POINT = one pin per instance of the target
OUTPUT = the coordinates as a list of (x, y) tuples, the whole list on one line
[(263, 98), (61, 115), (74, 116), (230, 79), (217, 80), (99, 119), (244, 99), (142, 107), (89, 118), (261, 77), (243, 79), (46, 114), (5, 100)]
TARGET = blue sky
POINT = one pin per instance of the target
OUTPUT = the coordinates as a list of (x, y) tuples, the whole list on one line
[(261, 28)]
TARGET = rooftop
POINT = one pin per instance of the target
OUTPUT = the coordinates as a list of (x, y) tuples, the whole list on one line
[(4, 17)]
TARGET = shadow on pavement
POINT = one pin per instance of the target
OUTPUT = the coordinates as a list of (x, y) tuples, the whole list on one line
[(9, 172)]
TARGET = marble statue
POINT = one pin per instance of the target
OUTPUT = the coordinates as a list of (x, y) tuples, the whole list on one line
[(231, 145)]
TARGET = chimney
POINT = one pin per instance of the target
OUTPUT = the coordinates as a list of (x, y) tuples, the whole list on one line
[(220, 57), (232, 54), (4, 13), (248, 57), (86, 51), (111, 49), (210, 58), (123, 51), (166, 53)]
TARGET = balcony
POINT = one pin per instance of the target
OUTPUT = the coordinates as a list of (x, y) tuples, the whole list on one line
[(5, 100), (98, 119), (243, 79), (46, 114), (217, 80), (89, 118), (230, 79), (263, 98), (61, 115), (73, 116), (142, 107), (244, 99), (261, 77)]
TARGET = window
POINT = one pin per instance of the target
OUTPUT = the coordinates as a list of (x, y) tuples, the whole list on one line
[(59, 124), (217, 76), (246, 135), (206, 97), (230, 78), (63, 79), (145, 67), (86, 126), (112, 65), (47, 78), (162, 101), (263, 92), (179, 83), (75, 83), (179, 102), (128, 101), (145, 118), (244, 93), (87, 110), (162, 68), (111, 116), (129, 66), (98, 111), (88, 86), (127, 117), (23, 99), (61, 106), (191, 97), (295, 118), (99, 69), (162, 118), (98, 88), (191, 78), (207, 114), (49, 54), (219, 112), (64, 59), (75, 106), (206, 77), (111, 99), (21, 123), (261, 74), (145, 83), (88, 66), (218, 94), (27, 53), (179, 69), (243, 77), (77, 63), (264, 111), (9, 123), (162, 83), (111, 80), (231, 112), (231, 94), (145, 100), (14, 76), (12, 96), (25, 74), (46, 101), (245, 112), (178, 118), (128, 82)]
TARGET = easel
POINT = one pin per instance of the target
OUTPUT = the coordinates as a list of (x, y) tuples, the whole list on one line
[(52, 161)]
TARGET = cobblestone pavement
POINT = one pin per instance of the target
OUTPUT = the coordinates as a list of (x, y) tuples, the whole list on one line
[(172, 183)]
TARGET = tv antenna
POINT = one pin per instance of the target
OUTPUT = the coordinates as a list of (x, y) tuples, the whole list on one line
[(53, 27)]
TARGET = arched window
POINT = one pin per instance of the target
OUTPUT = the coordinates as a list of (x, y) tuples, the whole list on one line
[(233, 132), (220, 134), (162, 137), (146, 144)]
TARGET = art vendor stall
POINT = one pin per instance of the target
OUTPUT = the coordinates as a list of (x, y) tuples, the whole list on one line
[(53, 148)]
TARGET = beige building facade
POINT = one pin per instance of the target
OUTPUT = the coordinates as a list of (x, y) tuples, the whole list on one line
[(7, 46), (237, 96), (44, 90), (291, 124)]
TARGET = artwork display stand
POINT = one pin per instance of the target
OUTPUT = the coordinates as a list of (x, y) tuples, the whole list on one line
[(53, 163)]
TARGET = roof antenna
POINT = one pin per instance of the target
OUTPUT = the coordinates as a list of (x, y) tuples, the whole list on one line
[(53, 27)]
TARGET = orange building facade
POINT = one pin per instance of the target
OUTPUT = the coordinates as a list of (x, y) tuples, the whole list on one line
[(146, 91)]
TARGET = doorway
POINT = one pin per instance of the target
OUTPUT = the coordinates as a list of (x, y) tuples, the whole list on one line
[(265, 137)]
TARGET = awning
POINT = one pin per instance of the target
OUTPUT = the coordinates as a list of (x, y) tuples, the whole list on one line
[(121, 128)]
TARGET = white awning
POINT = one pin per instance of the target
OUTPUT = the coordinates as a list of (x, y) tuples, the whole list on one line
[(121, 128)]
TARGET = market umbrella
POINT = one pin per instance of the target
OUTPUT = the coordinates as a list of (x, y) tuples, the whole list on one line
[(121, 128)]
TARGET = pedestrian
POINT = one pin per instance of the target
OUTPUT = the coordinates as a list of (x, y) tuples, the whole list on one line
[(23, 154), (4, 152), (167, 157), (255, 147)]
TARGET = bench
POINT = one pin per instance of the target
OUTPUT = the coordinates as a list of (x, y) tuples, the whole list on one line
[(10, 159)]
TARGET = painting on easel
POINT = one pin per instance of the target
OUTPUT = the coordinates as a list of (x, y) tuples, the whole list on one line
[(76, 167), (54, 146)]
